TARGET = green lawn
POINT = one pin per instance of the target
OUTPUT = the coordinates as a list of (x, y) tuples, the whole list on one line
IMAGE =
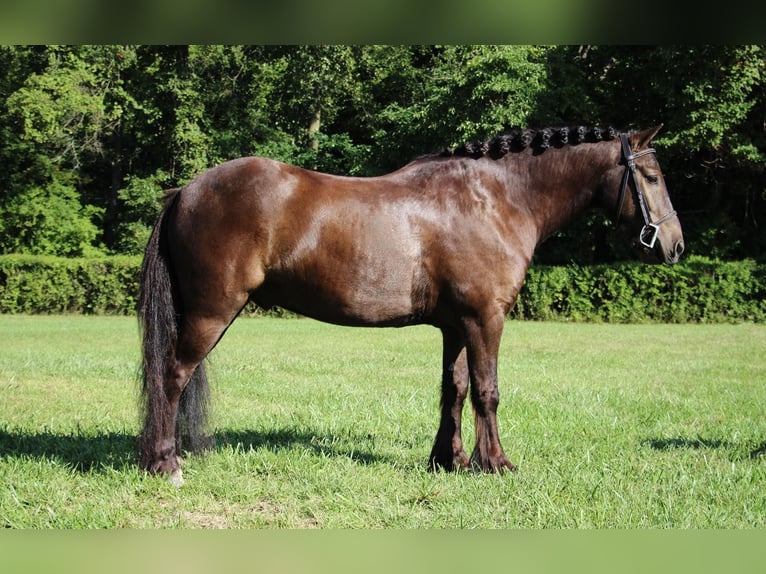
[(637, 426)]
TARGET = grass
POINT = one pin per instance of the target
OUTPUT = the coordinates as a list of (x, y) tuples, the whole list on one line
[(638, 426)]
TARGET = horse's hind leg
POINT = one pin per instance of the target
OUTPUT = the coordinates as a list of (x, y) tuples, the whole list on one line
[(448, 452), (196, 338)]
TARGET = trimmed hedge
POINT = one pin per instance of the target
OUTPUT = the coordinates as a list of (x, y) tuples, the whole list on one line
[(697, 290), (45, 284)]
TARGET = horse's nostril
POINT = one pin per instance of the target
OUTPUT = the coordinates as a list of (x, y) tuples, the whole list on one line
[(679, 248)]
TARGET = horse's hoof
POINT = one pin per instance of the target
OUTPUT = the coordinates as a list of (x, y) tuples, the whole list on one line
[(493, 464), (176, 478)]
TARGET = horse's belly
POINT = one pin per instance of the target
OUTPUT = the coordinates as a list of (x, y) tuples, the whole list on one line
[(355, 265), (347, 298)]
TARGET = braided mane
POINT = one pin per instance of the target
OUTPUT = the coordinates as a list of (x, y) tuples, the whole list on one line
[(518, 140)]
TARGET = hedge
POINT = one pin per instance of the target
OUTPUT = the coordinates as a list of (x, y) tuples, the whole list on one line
[(45, 284), (697, 290)]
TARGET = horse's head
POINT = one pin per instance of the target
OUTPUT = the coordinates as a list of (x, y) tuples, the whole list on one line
[(642, 205)]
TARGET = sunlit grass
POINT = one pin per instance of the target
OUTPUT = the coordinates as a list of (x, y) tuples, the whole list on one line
[(317, 426)]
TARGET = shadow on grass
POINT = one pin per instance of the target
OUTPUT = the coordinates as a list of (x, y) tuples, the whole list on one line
[(287, 438), (683, 442), (760, 451), (81, 452), (702, 443), (118, 451)]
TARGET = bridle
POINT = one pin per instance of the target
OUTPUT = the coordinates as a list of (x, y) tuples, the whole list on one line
[(651, 229)]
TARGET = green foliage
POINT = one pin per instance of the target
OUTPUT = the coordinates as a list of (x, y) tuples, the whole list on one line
[(696, 290), (141, 203), (49, 220), (44, 284), (62, 108), (335, 154), (472, 91), (451, 94), (314, 84)]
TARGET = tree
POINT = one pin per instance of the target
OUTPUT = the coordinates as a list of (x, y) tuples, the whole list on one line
[(48, 220), (712, 101), (54, 119), (451, 94), (96, 132)]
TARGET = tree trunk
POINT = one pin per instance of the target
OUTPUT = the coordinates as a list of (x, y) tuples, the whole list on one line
[(110, 215), (314, 124)]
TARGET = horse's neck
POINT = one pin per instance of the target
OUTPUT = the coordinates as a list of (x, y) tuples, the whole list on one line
[(558, 185)]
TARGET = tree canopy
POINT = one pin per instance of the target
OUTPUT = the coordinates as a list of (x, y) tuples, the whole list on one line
[(90, 135)]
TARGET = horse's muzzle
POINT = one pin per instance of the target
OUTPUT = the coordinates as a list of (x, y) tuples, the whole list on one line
[(675, 253), (658, 254)]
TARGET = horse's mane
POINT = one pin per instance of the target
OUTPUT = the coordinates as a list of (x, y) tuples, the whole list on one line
[(538, 140)]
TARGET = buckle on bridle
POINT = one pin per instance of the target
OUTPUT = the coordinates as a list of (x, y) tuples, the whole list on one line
[(651, 230), (648, 235)]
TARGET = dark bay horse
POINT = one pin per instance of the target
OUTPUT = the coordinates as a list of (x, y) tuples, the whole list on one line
[(445, 241)]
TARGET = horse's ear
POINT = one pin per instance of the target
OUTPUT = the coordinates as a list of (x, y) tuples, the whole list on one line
[(642, 139)]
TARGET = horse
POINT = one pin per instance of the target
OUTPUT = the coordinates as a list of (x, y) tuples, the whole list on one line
[(445, 240)]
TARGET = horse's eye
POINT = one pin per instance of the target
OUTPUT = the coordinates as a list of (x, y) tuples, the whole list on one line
[(652, 179)]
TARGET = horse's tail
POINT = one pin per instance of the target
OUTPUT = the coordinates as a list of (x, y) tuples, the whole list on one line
[(159, 311)]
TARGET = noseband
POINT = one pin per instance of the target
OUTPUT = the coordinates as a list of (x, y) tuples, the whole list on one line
[(648, 235)]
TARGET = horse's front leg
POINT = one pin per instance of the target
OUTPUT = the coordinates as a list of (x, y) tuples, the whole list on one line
[(448, 452), (483, 343)]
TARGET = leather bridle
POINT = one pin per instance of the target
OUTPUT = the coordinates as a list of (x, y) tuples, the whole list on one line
[(651, 229)]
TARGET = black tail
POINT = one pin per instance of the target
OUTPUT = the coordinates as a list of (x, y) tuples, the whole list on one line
[(159, 310)]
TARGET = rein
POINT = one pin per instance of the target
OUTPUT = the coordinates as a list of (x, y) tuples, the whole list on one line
[(651, 229)]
